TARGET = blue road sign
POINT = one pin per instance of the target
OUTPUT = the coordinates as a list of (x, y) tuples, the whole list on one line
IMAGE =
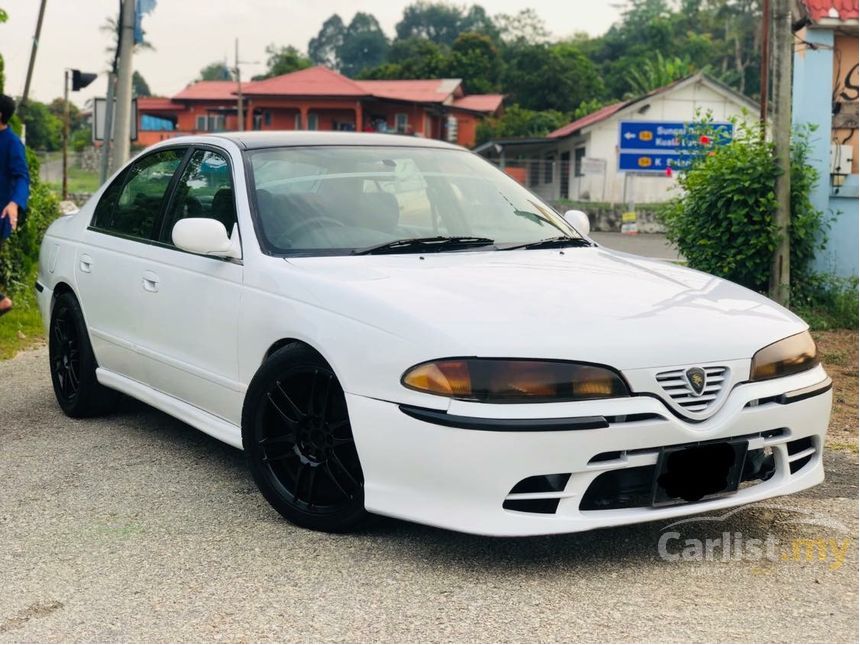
[(651, 161), (667, 135), (654, 146)]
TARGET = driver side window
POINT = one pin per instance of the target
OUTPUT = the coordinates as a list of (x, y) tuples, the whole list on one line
[(204, 190)]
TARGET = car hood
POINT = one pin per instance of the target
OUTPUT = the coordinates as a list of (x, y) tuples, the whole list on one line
[(587, 304)]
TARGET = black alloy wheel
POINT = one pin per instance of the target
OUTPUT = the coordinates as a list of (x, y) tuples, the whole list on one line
[(296, 431), (73, 364)]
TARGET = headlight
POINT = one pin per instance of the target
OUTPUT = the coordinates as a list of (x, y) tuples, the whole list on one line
[(496, 380), (787, 356)]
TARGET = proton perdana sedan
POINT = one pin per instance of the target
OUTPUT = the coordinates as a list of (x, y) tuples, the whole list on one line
[(389, 325)]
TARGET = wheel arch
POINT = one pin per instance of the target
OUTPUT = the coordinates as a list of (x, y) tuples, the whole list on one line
[(286, 342), (63, 287)]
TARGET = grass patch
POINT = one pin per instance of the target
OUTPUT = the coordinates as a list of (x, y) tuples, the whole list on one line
[(80, 181), (21, 328), (827, 302)]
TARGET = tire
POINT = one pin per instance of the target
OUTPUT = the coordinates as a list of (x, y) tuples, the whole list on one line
[(299, 443), (73, 364)]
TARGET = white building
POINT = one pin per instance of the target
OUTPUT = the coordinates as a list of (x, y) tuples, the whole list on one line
[(580, 161)]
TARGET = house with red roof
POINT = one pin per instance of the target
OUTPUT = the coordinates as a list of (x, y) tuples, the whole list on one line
[(318, 98), (825, 95), (580, 161)]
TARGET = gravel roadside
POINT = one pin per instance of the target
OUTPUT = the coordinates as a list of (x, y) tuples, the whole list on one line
[(138, 528)]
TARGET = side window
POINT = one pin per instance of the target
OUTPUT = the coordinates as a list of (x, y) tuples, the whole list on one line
[(204, 190), (133, 202)]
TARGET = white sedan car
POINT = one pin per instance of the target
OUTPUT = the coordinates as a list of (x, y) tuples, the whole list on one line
[(389, 325)]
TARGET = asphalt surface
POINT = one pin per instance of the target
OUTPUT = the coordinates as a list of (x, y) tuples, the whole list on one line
[(136, 527), (652, 245)]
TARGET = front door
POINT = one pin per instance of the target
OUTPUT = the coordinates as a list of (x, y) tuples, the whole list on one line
[(192, 309)]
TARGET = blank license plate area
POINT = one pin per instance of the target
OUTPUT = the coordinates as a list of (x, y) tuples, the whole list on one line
[(693, 473)]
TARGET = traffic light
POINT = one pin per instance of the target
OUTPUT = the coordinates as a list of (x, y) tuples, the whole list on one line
[(81, 79)]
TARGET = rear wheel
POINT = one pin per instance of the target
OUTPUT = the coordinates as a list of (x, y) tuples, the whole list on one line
[(298, 440), (73, 364)]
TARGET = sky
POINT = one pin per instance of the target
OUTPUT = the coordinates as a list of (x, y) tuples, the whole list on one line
[(189, 34)]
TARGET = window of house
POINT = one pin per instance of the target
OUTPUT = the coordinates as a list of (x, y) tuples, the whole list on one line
[(216, 123), (267, 118), (204, 190), (548, 168), (297, 121), (401, 122), (133, 202), (578, 156), (201, 123), (313, 121)]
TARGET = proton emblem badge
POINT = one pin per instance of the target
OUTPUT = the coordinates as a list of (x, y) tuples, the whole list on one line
[(696, 379)]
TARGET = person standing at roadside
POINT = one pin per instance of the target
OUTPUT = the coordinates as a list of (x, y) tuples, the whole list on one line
[(14, 180)]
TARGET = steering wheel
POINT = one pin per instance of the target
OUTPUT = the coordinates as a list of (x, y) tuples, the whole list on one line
[(316, 222)]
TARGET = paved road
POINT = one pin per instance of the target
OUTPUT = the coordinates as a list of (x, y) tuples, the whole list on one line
[(138, 528), (649, 245)]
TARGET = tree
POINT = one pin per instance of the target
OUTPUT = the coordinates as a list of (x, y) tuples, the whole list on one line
[(657, 72), (364, 45), (217, 71), (442, 22), (323, 48), (555, 77), (520, 122), (139, 85), (476, 60), (111, 26), (523, 27), (415, 58), (44, 128), (283, 60)]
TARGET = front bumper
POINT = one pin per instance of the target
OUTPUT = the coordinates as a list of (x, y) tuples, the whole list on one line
[(460, 479)]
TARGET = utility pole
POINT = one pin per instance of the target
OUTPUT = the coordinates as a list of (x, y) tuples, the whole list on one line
[(66, 135), (240, 112), (122, 128), (764, 66), (780, 275), (32, 63), (104, 167)]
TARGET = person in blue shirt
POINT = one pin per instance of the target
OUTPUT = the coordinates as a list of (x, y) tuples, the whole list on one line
[(14, 180)]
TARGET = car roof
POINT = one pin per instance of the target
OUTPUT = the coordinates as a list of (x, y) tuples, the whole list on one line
[(280, 139)]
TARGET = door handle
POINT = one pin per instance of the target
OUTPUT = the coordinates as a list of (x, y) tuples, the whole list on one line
[(86, 263), (150, 281)]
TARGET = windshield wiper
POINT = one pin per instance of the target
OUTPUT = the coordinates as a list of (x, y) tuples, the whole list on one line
[(550, 243), (422, 244)]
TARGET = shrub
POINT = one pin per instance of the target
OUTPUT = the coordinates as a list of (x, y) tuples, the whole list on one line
[(20, 253), (723, 221)]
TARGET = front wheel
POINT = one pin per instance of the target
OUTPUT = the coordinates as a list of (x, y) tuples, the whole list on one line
[(299, 443)]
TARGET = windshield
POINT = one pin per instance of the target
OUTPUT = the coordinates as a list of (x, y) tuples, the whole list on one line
[(339, 199)]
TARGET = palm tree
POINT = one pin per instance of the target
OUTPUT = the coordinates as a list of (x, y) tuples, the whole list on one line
[(111, 26), (657, 72)]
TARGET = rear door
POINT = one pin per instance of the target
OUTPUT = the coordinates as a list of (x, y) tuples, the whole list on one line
[(111, 261), (191, 311)]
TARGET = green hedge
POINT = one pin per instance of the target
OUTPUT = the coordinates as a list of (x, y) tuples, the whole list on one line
[(723, 221), (20, 253)]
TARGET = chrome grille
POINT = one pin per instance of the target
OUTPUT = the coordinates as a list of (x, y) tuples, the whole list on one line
[(674, 383)]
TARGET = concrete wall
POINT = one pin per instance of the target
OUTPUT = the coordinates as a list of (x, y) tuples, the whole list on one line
[(814, 81)]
